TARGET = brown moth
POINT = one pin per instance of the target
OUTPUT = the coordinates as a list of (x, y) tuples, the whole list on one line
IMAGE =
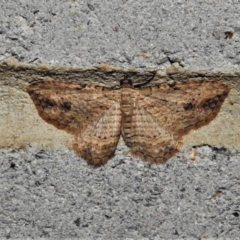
[(151, 119)]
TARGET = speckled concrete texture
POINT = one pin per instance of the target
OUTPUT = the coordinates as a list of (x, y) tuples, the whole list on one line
[(55, 194), (123, 33)]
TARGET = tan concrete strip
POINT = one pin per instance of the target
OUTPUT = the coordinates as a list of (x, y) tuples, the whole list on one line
[(20, 124)]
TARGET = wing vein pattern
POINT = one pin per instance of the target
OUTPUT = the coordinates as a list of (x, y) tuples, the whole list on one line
[(151, 119)]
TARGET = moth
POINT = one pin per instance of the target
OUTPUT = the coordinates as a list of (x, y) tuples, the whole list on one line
[(151, 119)]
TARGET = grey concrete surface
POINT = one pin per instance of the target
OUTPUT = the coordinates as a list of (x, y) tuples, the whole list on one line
[(54, 194)]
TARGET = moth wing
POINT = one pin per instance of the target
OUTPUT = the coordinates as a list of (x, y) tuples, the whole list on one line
[(98, 141), (186, 105), (146, 138), (163, 114), (92, 114)]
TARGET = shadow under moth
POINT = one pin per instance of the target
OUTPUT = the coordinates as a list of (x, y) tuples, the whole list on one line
[(150, 119)]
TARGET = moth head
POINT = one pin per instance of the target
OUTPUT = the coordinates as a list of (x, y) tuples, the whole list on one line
[(126, 82)]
